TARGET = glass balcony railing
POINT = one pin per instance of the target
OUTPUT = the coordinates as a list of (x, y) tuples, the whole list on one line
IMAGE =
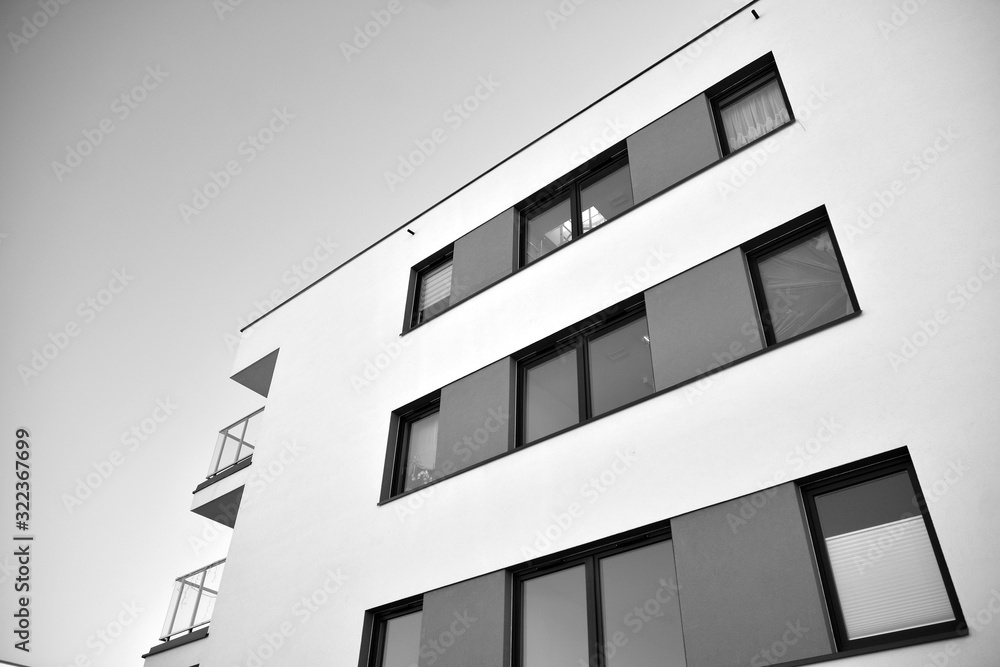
[(193, 601), (235, 443)]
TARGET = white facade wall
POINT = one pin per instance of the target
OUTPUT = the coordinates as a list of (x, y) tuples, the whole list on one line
[(866, 104)]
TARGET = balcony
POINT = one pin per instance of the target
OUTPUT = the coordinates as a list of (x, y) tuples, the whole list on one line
[(218, 497), (188, 616)]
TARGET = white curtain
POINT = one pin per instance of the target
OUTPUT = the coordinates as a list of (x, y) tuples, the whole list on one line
[(754, 115), (422, 451), (888, 578)]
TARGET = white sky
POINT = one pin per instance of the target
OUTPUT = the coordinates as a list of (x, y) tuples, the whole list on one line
[(62, 236)]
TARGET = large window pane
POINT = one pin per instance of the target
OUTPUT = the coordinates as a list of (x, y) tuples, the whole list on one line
[(621, 368), (885, 572), (551, 401), (421, 451), (606, 198), (402, 641), (554, 620), (642, 618), (547, 228), (803, 286)]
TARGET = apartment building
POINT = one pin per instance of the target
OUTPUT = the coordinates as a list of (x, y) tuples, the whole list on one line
[(701, 377)]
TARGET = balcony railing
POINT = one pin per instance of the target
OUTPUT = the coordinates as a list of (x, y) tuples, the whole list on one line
[(235, 443), (193, 600)]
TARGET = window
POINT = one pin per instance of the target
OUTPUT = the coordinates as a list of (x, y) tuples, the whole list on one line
[(417, 445), (585, 374), (882, 568), (617, 607), (573, 206), (394, 635), (799, 278), (749, 105), (433, 289)]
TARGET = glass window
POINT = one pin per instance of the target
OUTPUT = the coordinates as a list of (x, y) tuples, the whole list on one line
[(750, 110), (547, 228), (803, 285), (421, 440), (621, 367), (551, 396), (433, 291), (554, 619), (884, 577), (401, 641), (586, 200), (605, 197), (610, 608)]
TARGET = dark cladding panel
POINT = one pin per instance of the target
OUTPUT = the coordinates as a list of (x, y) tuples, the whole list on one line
[(475, 415), (483, 256), (464, 624), (701, 319), (671, 148), (748, 592)]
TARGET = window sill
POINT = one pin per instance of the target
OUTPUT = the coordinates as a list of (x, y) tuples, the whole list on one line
[(937, 637)]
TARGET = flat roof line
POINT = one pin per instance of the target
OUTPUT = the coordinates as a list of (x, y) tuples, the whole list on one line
[(506, 159)]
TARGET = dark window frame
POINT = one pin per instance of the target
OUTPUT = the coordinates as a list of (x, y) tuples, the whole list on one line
[(376, 621), (417, 273), (572, 184), (739, 84), (574, 338), (394, 473), (785, 235), (851, 475), (588, 555)]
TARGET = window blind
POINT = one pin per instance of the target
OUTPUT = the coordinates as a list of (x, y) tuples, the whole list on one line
[(435, 286), (888, 578)]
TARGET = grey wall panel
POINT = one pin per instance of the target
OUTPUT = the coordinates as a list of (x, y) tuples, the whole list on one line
[(671, 148), (483, 256), (475, 417), (748, 591), (464, 624), (701, 319)]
